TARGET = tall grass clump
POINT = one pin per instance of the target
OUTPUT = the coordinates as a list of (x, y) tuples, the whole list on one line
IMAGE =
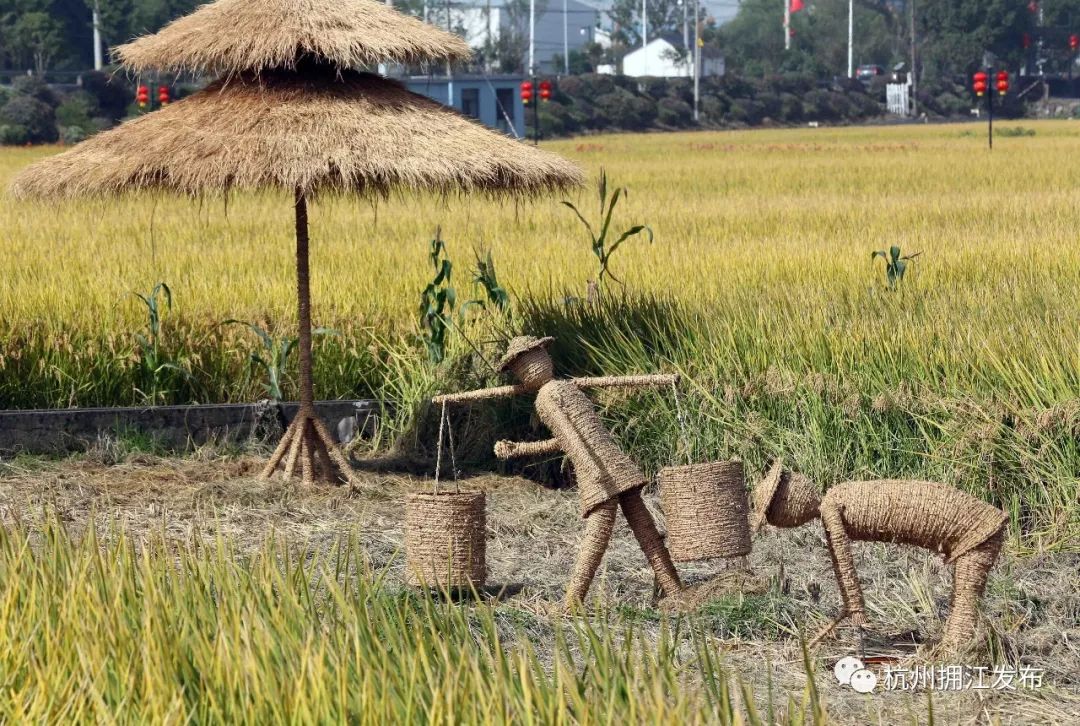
[(108, 629)]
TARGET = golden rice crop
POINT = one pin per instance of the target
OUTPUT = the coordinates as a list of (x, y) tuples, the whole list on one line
[(773, 225), (759, 285)]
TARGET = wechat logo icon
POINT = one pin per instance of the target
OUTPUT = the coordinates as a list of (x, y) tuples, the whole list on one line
[(851, 671)]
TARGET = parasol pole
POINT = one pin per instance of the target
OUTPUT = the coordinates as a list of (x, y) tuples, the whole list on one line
[(303, 294), (307, 441)]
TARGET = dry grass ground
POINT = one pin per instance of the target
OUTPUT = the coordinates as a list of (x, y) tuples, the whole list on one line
[(1033, 602)]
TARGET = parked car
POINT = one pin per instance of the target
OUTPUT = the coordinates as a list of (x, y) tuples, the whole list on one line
[(867, 73)]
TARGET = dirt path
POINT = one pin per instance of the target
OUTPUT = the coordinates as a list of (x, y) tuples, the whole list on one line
[(1033, 603)]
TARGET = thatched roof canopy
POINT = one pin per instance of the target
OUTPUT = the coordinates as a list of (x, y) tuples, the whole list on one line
[(353, 132), (232, 36)]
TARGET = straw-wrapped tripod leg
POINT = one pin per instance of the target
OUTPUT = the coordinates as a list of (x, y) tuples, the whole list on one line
[(650, 540), (969, 581), (307, 441), (598, 526), (307, 445)]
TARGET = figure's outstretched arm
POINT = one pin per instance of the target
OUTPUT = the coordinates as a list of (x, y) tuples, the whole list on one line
[(481, 395), (843, 562), (627, 381), (517, 449)]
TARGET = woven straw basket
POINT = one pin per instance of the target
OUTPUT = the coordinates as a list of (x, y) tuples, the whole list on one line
[(445, 540), (706, 510)]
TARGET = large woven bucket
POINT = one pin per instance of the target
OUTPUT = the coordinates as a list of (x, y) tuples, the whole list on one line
[(445, 543), (706, 510)]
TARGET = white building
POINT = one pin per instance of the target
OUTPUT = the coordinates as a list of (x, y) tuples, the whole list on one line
[(664, 58)]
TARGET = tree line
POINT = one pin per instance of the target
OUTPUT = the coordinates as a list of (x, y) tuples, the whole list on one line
[(950, 35), (57, 35)]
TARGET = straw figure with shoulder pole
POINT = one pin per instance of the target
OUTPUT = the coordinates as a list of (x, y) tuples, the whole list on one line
[(607, 478), (966, 530), (293, 110)]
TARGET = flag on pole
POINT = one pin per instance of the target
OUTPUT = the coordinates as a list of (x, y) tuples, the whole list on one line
[(797, 5)]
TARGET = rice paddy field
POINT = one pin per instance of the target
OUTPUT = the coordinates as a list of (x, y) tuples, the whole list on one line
[(759, 288)]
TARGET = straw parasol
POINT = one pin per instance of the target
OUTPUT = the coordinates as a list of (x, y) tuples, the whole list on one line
[(293, 110)]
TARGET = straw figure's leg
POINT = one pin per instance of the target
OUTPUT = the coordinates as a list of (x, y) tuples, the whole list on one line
[(650, 540), (969, 581), (306, 441), (598, 527), (843, 563)]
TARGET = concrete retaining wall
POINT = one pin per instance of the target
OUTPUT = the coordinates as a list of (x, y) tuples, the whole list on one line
[(61, 431)]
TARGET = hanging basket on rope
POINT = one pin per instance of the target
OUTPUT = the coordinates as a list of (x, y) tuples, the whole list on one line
[(445, 540), (706, 510), (445, 532), (705, 506)]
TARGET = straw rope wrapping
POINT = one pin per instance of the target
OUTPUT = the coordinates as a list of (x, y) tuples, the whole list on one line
[(598, 529), (784, 499), (969, 581), (925, 514), (230, 36), (603, 470), (316, 131), (934, 516), (706, 510), (445, 539)]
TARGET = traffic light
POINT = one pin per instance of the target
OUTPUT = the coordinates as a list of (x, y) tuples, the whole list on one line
[(545, 91), (163, 95), (142, 97), (526, 92), (980, 81), (1002, 82)]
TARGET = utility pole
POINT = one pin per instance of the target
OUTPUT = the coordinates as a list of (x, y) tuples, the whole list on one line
[(565, 40), (449, 71), (697, 62), (685, 23), (531, 70), (99, 61), (645, 32), (787, 24), (383, 67), (914, 75), (851, 39)]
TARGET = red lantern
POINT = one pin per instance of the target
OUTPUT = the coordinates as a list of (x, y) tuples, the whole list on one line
[(526, 92), (1026, 40), (1002, 82), (1074, 42), (143, 97), (163, 95), (545, 90), (979, 85)]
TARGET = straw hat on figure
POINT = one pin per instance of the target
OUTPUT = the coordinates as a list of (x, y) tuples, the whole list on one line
[(966, 530), (607, 478)]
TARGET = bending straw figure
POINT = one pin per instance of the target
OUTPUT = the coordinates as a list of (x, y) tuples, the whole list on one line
[(937, 517), (606, 476)]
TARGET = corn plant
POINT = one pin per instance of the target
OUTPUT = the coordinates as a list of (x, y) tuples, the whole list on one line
[(274, 356), (602, 246), (895, 265), (493, 294), (437, 301), (158, 371)]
